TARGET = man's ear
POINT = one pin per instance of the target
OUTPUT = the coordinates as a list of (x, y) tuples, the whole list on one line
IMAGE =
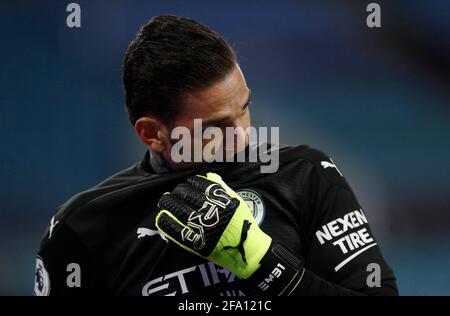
[(153, 133)]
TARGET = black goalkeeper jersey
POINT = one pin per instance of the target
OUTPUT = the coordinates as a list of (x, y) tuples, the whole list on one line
[(104, 241)]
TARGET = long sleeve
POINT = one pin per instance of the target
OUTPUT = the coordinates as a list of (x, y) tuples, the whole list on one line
[(342, 256), (64, 266)]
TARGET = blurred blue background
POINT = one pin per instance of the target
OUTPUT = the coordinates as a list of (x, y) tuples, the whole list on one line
[(376, 100)]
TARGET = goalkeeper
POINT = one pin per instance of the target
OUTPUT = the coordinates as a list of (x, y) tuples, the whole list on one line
[(163, 227)]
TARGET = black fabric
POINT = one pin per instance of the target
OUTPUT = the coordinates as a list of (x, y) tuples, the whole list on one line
[(109, 231), (280, 272)]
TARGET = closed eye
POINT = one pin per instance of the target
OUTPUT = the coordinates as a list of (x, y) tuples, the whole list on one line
[(249, 101), (245, 108)]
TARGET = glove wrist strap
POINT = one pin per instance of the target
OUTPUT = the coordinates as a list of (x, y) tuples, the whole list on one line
[(279, 274)]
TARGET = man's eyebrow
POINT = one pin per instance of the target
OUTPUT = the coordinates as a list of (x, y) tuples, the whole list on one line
[(225, 118)]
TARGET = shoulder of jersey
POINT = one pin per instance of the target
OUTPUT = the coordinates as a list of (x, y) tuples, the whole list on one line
[(87, 206), (322, 162)]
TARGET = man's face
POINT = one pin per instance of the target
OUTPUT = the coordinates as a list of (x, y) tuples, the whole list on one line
[(223, 105)]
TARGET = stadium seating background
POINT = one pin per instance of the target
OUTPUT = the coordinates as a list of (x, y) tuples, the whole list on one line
[(376, 100)]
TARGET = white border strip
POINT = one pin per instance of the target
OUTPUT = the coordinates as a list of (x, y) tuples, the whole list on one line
[(297, 283), (343, 263)]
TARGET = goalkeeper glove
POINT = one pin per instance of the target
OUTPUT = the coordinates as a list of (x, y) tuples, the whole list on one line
[(207, 218)]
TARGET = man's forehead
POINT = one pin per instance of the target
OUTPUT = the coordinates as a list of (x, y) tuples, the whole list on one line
[(227, 93)]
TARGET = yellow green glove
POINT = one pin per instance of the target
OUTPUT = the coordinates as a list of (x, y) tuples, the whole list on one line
[(207, 218)]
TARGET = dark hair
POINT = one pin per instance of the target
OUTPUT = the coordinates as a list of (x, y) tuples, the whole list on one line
[(169, 57)]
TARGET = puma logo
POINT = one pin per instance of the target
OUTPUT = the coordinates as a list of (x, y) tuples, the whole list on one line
[(143, 232), (52, 226), (245, 228), (327, 164)]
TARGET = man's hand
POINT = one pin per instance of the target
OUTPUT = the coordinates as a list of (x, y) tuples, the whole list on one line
[(207, 218)]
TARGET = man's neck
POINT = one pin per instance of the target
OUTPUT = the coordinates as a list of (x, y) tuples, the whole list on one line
[(158, 163)]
